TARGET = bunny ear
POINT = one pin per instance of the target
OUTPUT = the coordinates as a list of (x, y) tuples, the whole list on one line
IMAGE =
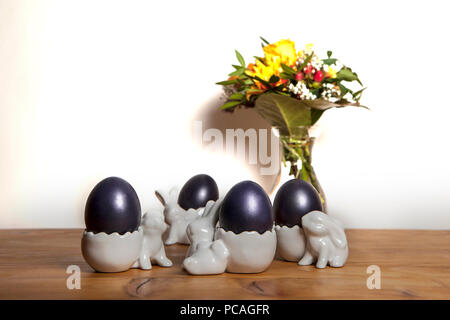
[(337, 233), (161, 197), (214, 212), (208, 207)]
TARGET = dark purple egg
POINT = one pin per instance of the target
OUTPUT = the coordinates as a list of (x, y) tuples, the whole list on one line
[(246, 207), (112, 206), (294, 199), (197, 191)]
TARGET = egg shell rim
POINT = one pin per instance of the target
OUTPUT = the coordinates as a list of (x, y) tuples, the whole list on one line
[(279, 226), (250, 232), (115, 233)]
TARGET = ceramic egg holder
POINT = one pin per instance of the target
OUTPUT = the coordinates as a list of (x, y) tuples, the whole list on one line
[(111, 252), (139, 249), (291, 242), (321, 241), (214, 250)]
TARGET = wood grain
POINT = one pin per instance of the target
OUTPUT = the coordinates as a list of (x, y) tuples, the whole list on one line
[(414, 265)]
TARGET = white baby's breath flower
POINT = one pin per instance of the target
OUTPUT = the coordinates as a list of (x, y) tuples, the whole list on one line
[(330, 92), (349, 97), (316, 62)]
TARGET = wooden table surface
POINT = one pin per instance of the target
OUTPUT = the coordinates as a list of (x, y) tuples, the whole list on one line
[(414, 265)]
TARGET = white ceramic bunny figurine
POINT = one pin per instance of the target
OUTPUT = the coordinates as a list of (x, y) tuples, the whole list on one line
[(206, 256), (152, 250), (177, 218), (202, 229), (326, 242)]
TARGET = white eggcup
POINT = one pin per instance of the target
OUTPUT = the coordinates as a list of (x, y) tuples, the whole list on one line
[(250, 251), (291, 242), (111, 252)]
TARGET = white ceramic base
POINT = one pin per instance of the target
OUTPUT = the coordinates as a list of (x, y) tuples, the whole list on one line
[(208, 257), (111, 252), (326, 242), (291, 242), (250, 252)]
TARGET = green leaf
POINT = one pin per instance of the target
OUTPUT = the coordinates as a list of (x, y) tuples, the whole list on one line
[(285, 75), (329, 61), (227, 82), (238, 72), (347, 75), (329, 53), (236, 96), (247, 82), (282, 111), (315, 115), (264, 40), (274, 79), (260, 60), (264, 82), (307, 60), (357, 94), (230, 104), (288, 69), (343, 89), (322, 104), (240, 58), (288, 113)]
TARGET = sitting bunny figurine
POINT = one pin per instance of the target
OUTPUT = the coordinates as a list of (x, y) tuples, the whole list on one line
[(152, 250), (202, 229), (206, 256), (177, 218), (326, 242)]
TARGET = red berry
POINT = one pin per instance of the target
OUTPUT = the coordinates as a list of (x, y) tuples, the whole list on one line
[(308, 69), (318, 77), (299, 76)]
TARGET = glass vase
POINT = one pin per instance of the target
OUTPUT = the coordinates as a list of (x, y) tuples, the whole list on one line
[(297, 145)]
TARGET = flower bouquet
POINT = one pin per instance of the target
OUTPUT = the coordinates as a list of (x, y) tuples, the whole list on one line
[(291, 90)]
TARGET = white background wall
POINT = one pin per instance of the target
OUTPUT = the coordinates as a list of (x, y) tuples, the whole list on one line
[(90, 89)]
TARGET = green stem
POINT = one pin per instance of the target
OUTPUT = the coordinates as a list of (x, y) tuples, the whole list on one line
[(298, 149)]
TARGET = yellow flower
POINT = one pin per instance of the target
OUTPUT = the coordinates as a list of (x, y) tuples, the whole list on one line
[(263, 71), (279, 52), (275, 54), (307, 51), (330, 72)]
